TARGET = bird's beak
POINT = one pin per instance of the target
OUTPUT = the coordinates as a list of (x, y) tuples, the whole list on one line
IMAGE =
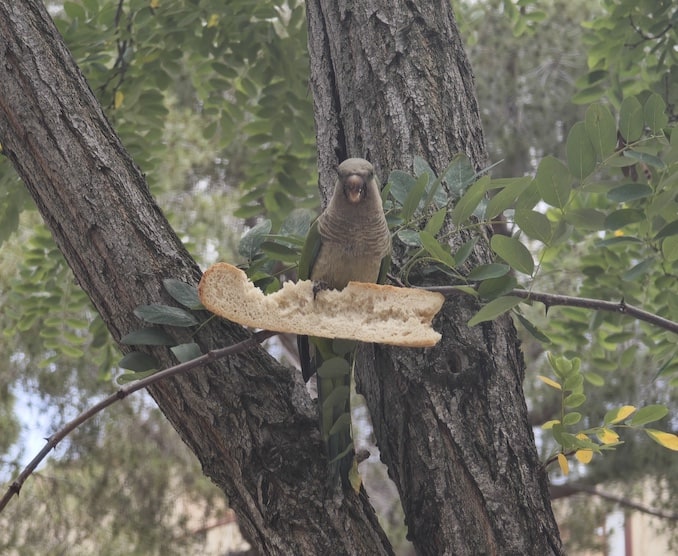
[(355, 188)]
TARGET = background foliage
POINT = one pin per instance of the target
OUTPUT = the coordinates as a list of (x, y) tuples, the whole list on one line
[(578, 101)]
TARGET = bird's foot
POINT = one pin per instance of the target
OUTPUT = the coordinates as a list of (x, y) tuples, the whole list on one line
[(318, 286)]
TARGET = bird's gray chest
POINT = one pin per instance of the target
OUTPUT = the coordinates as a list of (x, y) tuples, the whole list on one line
[(337, 267)]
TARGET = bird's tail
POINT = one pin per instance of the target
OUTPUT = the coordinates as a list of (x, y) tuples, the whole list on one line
[(334, 406)]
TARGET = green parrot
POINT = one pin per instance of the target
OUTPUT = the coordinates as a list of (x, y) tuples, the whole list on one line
[(349, 241)]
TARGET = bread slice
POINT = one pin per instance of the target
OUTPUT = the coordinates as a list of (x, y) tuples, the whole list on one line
[(365, 312)]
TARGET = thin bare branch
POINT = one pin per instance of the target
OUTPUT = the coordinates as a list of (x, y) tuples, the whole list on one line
[(552, 300), (122, 393), (568, 490)]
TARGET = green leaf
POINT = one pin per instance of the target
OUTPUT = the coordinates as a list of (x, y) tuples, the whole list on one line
[(279, 252), (585, 218), (649, 414), (532, 329), (148, 337), (459, 175), (465, 250), (617, 240), (574, 400), (334, 368), (485, 271), (435, 249), (581, 158), (138, 362), (588, 95), (601, 129), (645, 158), (470, 201), (671, 229), (186, 352), (421, 168), (631, 119), (164, 314), (554, 182), (183, 293), (436, 221), (126, 378), (654, 113), (414, 197), (253, 238), (640, 269), (513, 252), (297, 223), (75, 11), (534, 224), (409, 237), (571, 418), (629, 192), (594, 378), (623, 217), (495, 287), (342, 423), (574, 383), (506, 197), (494, 308), (401, 183)]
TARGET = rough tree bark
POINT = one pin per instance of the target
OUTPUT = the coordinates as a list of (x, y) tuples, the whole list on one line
[(248, 419), (390, 81)]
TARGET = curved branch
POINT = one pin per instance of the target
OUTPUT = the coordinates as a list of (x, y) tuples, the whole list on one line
[(563, 491), (122, 393), (553, 300)]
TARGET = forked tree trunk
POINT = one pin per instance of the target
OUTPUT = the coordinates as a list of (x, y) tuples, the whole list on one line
[(249, 420), (451, 421), (391, 80)]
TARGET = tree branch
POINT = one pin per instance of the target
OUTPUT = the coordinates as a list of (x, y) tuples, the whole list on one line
[(552, 300), (122, 393), (563, 491)]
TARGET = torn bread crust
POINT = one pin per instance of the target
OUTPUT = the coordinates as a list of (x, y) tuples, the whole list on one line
[(364, 312)]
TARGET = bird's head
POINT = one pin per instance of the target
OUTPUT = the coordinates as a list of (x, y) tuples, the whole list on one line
[(355, 175)]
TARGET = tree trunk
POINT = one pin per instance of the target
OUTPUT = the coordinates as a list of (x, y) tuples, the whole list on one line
[(390, 81), (248, 419)]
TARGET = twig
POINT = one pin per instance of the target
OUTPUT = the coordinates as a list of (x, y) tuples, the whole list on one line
[(552, 300), (567, 490), (15, 486)]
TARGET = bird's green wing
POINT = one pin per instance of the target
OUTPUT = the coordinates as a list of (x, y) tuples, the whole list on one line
[(384, 268), (309, 253)]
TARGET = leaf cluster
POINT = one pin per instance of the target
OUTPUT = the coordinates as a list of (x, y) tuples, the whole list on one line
[(630, 50), (142, 364), (583, 443)]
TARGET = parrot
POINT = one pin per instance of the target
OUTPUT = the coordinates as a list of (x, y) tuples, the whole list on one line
[(349, 241)]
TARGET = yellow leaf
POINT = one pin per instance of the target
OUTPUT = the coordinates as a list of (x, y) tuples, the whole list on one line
[(119, 97), (608, 436), (622, 413), (549, 424), (213, 21), (154, 4), (618, 233), (666, 439), (564, 465), (550, 382), (584, 456)]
